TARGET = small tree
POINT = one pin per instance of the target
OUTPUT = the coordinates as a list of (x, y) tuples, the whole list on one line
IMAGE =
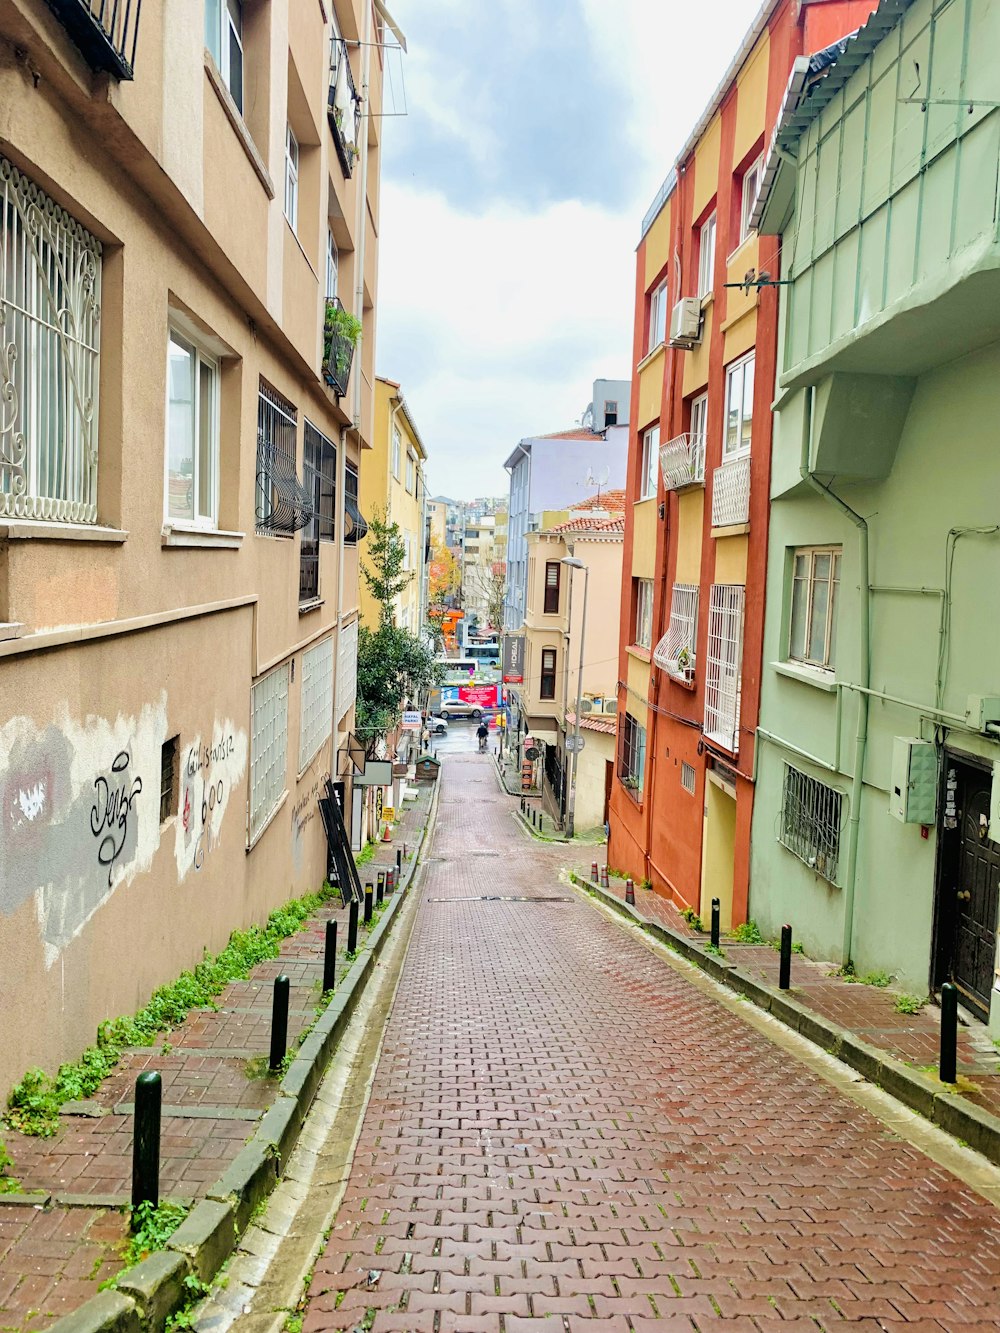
[(384, 572), (489, 590)]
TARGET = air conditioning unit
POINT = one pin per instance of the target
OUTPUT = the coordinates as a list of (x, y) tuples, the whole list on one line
[(685, 322), (611, 706)]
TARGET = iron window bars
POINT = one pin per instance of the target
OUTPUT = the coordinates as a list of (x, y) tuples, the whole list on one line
[(319, 477), (343, 106), (810, 822), (355, 525), (725, 664), (105, 31), (283, 504), (676, 652), (338, 350)]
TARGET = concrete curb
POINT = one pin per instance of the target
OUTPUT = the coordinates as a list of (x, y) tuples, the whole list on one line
[(151, 1291), (935, 1101)]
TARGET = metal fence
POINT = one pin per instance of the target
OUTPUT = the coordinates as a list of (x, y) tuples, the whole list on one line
[(682, 461)]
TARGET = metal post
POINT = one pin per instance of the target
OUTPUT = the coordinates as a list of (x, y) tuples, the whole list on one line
[(390, 881), (604, 877), (380, 889), (279, 1022), (593, 872), (571, 811), (785, 962), (352, 927), (330, 957), (369, 894), (716, 915), (146, 1141), (399, 861), (948, 1066), (630, 893)]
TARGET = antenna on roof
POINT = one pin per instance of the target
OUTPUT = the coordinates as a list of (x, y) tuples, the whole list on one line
[(600, 481)]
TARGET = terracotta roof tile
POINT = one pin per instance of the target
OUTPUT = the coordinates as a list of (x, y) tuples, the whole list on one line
[(613, 501), (602, 722), (576, 434), (616, 524)]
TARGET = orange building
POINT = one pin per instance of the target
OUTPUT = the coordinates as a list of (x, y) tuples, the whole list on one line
[(705, 343)]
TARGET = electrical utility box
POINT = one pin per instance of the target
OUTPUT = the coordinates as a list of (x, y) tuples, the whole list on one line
[(914, 780)]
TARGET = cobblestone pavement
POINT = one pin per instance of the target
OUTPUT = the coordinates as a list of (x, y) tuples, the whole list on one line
[(564, 1132)]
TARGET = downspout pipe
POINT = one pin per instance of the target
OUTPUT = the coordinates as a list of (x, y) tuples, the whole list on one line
[(861, 736)]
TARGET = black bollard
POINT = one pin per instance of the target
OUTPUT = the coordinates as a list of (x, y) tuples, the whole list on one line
[(279, 1022), (522, 805), (352, 927), (630, 893), (785, 959), (716, 917), (330, 957), (369, 894), (399, 859), (380, 888), (948, 1066), (146, 1142)]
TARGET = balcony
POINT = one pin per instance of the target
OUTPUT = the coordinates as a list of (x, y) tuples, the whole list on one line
[(104, 30), (682, 462), (343, 107), (339, 338), (731, 493)]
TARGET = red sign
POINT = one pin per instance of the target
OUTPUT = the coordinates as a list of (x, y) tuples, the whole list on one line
[(483, 696)]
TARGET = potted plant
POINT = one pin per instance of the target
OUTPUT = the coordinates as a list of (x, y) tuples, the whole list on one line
[(341, 331)]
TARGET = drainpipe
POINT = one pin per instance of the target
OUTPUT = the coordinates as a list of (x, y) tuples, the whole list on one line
[(362, 212), (861, 736)]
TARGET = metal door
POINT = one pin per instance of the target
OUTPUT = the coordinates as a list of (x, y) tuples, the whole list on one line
[(976, 889)]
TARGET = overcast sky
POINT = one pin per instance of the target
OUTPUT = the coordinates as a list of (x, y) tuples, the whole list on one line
[(537, 134)]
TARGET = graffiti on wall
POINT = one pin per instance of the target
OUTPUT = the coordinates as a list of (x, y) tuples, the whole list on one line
[(210, 770), (73, 824), (304, 811)]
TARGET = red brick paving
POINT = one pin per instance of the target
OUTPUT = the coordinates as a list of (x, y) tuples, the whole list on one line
[(564, 1133)]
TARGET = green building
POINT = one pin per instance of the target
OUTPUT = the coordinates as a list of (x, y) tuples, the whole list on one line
[(876, 817)]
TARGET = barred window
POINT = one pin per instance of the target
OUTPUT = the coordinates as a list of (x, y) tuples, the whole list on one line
[(319, 477), (283, 504), (810, 822), (632, 754), (688, 778), (724, 666), (316, 717), (355, 524), (268, 746), (675, 653)]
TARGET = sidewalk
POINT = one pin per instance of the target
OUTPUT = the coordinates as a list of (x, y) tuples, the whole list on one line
[(59, 1244), (866, 1011)]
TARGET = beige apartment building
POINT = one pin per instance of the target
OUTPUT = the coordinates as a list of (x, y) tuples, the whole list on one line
[(188, 200), (554, 631)]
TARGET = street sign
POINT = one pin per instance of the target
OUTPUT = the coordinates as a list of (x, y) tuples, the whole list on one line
[(574, 744), (411, 720)]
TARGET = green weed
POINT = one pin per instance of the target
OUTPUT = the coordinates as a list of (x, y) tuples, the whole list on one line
[(692, 918), (909, 1004), (152, 1228), (748, 933), (714, 950), (8, 1185), (366, 854), (878, 979)]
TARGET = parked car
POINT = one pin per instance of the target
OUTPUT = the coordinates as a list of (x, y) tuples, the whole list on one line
[(437, 726), (459, 708)]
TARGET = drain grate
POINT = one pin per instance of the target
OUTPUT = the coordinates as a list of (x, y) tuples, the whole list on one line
[(498, 898)]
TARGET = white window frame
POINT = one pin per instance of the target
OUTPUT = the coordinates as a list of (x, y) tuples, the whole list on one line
[(332, 265), (676, 653), (397, 452), (316, 701), (737, 370), (201, 359), (706, 254), (824, 661), (657, 317), (643, 629), (411, 472), (748, 198), (268, 748), (291, 178), (724, 667), (698, 435), (223, 23), (649, 475)]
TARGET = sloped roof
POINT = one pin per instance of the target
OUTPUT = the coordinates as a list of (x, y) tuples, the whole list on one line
[(612, 501), (602, 722), (577, 433), (614, 524)]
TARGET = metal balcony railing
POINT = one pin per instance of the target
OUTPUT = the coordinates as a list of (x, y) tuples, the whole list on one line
[(343, 106), (338, 350), (731, 493), (682, 461), (104, 30)]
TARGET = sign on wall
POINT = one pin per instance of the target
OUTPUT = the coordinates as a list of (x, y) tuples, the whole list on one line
[(513, 659)]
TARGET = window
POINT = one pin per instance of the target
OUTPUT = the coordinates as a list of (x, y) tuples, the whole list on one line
[(224, 38), (650, 463), (739, 408), (192, 433), (642, 635), (169, 794), (688, 778), (706, 257), (813, 622), (316, 715), (50, 304), (319, 478), (750, 190), (355, 526), (657, 317), (283, 503), (548, 683), (396, 453), (632, 755), (675, 653), (699, 431), (268, 746), (725, 660), (411, 472), (810, 821), (610, 413), (332, 265), (291, 178), (552, 569)]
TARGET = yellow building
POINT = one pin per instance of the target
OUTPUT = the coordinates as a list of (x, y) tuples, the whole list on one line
[(393, 482)]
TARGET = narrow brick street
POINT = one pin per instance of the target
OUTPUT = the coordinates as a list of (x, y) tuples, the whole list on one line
[(564, 1129)]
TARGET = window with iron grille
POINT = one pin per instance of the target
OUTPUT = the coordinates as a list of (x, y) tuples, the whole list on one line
[(548, 681), (316, 714), (642, 630), (283, 504), (268, 746), (632, 754), (355, 525), (813, 622), (725, 660), (50, 306), (169, 751), (810, 822), (688, 778), (675, 653), (552, 568), (319, 477)]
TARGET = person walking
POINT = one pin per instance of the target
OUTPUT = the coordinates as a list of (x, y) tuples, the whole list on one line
[(483, 734)]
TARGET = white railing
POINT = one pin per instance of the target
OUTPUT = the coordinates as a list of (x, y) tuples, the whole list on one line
[(682, 461), (50, 303), (731, 493), (725, 663), (675, 653)]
